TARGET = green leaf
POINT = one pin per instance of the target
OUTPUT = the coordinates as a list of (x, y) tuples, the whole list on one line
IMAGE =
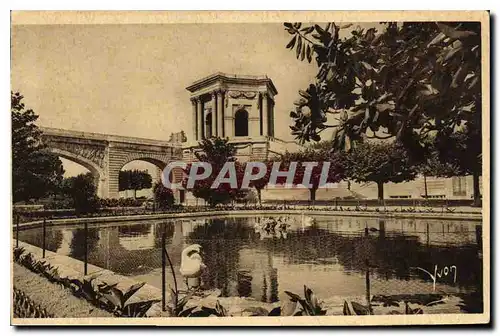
[(307, 30), (132, 290), (438, 38), (359, 309), (182, 302), (320, 30), (138, 309), (299, 47), (453, 33), (291, 44), (346, 309), (115, 297), (293, 297), (187, 312)]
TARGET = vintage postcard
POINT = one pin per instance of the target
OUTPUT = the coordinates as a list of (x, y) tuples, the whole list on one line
[(250, 168)]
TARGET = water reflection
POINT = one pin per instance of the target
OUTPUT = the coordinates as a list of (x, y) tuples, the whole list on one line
[(261, 257)]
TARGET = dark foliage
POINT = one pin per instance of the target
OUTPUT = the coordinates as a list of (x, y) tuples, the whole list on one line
[(36, 173), (164, 197)]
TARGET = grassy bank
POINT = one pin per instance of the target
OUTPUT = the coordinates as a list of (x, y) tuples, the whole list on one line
[(58, 301)]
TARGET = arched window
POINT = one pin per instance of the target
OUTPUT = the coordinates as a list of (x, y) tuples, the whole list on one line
[(241, 123), (208, 125)]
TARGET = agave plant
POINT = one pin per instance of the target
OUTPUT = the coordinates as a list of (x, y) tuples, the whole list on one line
[(27, 261), (117, 300), (177, 306), (52, 274), (39, 266), (309, 305), (138, 309), (408, 311), (218, 311), (260, 311), (86, 290), (357, 309), (24, 307), (18, 252)]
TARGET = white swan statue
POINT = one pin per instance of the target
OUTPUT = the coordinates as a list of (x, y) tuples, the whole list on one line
[(192, 263)]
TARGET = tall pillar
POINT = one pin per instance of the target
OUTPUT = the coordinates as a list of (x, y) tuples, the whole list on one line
[(228, 117), (200, 118), (265, 114), (214, 115), (102, 187), (220, 115), (271, 118), (113, 184), (194, 120)]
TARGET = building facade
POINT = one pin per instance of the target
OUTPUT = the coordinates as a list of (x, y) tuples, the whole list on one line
[(237, 107), (242, 109)]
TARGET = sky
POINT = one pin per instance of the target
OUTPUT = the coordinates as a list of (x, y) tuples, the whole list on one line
[(130, 79)]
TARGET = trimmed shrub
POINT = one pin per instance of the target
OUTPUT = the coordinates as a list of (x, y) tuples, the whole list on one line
[(164, 197)]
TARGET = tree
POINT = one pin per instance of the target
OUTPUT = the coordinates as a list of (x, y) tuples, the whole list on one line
[(334, 172), (82, 190), (462, 150), (164, 197), (134, 180), (216, 152), (35, 172), (411, 81), (432, 165), (379, 163), (262, 182)]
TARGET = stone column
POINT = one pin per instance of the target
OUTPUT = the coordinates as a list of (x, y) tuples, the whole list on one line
[(194, 120), (220, 114), (228, 117), (265, 114), (102, 187), (214, 114), (271, 119), (113, 191), (200, 118)]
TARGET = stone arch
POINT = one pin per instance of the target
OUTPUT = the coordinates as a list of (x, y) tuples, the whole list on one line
[(94, 168), (158, 160), (158, 163), (241, 122)]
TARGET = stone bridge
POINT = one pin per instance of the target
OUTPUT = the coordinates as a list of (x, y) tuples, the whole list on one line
[(104, 155)]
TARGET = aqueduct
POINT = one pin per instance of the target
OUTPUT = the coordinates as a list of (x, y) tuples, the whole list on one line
[(104, 155)]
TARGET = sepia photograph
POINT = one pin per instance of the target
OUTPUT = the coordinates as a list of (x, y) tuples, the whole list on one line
[(250, 168)]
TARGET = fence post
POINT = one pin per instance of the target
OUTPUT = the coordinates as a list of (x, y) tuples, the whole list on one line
[(367, 277), (428, 235), (163, 270), (479, 236), (85, 245), (17, 229), (44, 231)]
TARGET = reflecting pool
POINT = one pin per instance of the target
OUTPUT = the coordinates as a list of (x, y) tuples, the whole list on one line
[(261, 257)]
